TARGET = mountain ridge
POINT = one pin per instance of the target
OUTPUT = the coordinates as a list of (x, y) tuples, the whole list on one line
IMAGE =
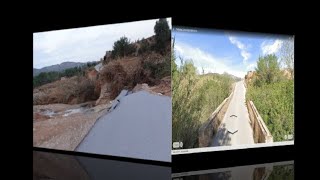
[(59, 67)]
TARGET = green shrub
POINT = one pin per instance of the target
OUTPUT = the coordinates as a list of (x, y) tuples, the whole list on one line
[(144, 47), (275, 104), (122, 47), (194, 98), (159, 70), (273, 95), (268, 70)]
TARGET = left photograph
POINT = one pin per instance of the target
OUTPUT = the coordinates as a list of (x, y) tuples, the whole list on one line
[(104, 89)]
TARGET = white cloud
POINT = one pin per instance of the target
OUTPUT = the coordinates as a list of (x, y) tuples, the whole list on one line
[(87, 43), (271, 47), (243, 49), (251, 66), (206, 60)]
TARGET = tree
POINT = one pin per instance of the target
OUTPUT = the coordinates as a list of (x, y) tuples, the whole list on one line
[(268, 69), (162, 31), (122, 47), (287, 54)]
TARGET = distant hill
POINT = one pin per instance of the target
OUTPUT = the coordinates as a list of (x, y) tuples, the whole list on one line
[(57, 67), (226, 74), (232, 76)]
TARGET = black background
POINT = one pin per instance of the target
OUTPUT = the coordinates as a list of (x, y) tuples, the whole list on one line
[(269, 21)]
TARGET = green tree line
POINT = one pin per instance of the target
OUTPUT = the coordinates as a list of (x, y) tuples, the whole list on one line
[(48, 77)]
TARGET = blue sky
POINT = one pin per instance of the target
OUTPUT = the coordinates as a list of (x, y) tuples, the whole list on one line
[(224, 51), (85, 44)]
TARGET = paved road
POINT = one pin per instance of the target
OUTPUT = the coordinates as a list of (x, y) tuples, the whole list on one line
[(235, 128), (138, 127)]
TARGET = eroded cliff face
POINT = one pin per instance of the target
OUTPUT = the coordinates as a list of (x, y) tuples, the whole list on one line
[(104, 82)]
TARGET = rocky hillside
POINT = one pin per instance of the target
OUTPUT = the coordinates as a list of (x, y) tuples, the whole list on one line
[(141, 67)]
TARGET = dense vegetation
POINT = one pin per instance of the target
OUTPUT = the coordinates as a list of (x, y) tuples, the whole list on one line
[(144, 46), (48, 77), (194, 98), (159, 70), (273, 95), (122, 47), (163, 34)]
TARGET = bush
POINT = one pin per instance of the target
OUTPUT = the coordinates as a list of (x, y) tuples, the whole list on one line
[(115, 75), (144, 47), (158, 70), (74, 90), (85, 89), (194, 98), (275, 104), (268, 70), (122, 47), (273, 95), (92, 64)]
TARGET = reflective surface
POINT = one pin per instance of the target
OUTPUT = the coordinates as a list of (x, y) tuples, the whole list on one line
[(60, 166), (271, 171)]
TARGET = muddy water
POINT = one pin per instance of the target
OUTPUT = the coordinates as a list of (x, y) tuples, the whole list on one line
[(50, 113), (73, 111)]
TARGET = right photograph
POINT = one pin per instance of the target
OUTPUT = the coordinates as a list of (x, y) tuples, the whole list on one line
[(231, 90)]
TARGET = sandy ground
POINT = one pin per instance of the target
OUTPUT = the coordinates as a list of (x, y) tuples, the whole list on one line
[(58, 131)]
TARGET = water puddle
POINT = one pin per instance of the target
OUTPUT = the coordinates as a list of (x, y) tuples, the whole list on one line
[(73, 111), (49, 113)]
